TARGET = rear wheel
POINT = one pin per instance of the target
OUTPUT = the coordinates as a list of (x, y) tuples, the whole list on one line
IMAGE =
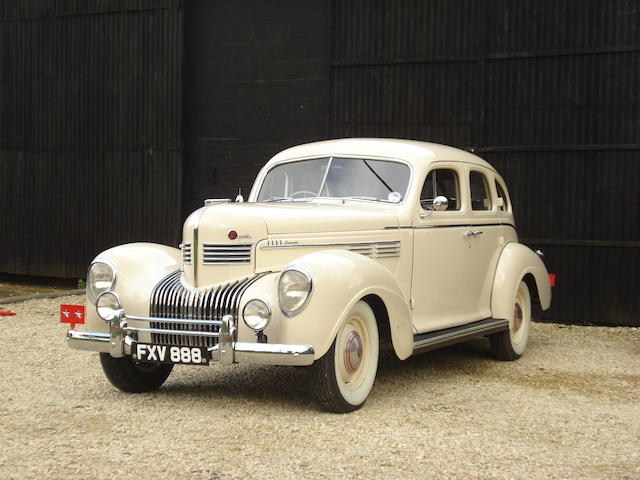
[(511, 344), (344, 376), (134, 377)]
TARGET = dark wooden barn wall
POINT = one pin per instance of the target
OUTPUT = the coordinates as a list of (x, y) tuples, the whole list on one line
[(256, 81), (546, 91), (90, 130), (91, 98)]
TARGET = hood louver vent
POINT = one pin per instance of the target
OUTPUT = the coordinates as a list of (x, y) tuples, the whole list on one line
[(224, 253), (186, 253), (377, 249)]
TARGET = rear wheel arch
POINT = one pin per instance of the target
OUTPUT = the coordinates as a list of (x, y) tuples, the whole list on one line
[(531, 283)]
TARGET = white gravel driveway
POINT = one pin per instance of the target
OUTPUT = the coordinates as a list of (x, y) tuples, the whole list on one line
[(570, 408)]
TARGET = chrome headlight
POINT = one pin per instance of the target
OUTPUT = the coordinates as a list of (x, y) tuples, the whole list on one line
[(101, 277), (108, 305), (256, 314), (294, 289)]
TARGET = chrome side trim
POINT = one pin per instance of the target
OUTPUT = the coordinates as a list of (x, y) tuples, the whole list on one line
[(440, 338), (418, 227), (328, 244)]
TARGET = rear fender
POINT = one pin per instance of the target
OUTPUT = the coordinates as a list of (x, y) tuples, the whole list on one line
[(516, 261)]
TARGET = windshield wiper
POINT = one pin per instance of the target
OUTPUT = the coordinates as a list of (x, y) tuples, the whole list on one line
[(377, 176)]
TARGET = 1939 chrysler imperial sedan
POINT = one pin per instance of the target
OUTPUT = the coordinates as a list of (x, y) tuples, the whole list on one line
[(344, 247)]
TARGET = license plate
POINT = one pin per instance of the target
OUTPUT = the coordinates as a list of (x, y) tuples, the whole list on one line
[(145, 352)]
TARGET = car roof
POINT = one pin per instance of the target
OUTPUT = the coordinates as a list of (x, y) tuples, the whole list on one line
[(419, 154)]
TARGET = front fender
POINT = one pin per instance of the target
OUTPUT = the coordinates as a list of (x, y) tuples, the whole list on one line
[(516, 261), (340, 279), (139, 267)]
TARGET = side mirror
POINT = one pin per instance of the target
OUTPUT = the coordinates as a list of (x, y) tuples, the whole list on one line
[(440, 203)]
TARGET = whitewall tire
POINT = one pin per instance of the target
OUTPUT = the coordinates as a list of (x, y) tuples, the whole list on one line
[(511, 344), (344, 376)]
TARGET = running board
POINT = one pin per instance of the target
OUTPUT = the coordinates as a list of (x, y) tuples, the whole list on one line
[(441, 338)]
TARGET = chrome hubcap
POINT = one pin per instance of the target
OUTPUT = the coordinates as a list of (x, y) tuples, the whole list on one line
[(517, 317), (352, 351)]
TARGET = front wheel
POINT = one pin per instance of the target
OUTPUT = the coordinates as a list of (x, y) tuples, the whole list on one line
[(344, 376), (511, 344), (134, 377)]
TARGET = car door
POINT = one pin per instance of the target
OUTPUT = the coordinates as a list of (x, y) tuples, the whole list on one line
[(452, 252), (485, 237)]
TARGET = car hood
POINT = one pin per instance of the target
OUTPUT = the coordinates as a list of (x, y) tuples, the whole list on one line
[(292, 217), (229, 229)]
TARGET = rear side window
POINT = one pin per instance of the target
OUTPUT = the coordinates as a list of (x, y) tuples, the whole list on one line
[(503, 202), (444, 182), (480, 196)]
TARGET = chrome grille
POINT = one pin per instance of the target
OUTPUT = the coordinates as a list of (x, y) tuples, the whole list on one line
[(186, 253), (381, 249), (195, 310), (225, 253)]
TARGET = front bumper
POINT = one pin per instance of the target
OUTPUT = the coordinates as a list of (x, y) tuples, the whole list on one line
[(227, 351)]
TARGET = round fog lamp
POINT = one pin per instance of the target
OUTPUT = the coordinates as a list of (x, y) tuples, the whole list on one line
[(256, 314), (107, 306)]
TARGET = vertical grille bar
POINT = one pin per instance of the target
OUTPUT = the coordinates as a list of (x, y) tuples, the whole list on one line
[(172, 299)]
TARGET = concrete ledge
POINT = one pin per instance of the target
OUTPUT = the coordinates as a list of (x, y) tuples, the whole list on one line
[(24, 298)]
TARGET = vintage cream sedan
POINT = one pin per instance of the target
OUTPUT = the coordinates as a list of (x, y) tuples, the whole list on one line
[(344, 247)]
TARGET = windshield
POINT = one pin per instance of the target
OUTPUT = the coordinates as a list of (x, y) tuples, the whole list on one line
[(377, 180)]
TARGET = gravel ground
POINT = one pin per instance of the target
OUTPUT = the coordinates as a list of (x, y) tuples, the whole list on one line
[(568, 409)]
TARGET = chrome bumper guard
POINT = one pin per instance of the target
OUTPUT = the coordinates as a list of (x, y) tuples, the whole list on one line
[(118, 342)]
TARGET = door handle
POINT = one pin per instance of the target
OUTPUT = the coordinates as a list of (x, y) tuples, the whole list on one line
[(472, 233)]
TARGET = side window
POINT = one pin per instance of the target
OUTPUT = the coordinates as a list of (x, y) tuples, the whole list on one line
[(442, 181), (503, 202), (480, 196)]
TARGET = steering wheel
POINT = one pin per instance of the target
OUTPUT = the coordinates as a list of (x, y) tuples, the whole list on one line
[(301, 192)]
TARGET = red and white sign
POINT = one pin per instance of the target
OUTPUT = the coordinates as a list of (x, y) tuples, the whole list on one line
[(72, 314)]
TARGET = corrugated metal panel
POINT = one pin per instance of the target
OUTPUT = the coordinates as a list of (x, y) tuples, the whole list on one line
[(574, 195), (434, 101), (369, 30), (546, 91), (90, 131), (533, 25), (597, 285), (256, 81), (563, 100), (39, 9)]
